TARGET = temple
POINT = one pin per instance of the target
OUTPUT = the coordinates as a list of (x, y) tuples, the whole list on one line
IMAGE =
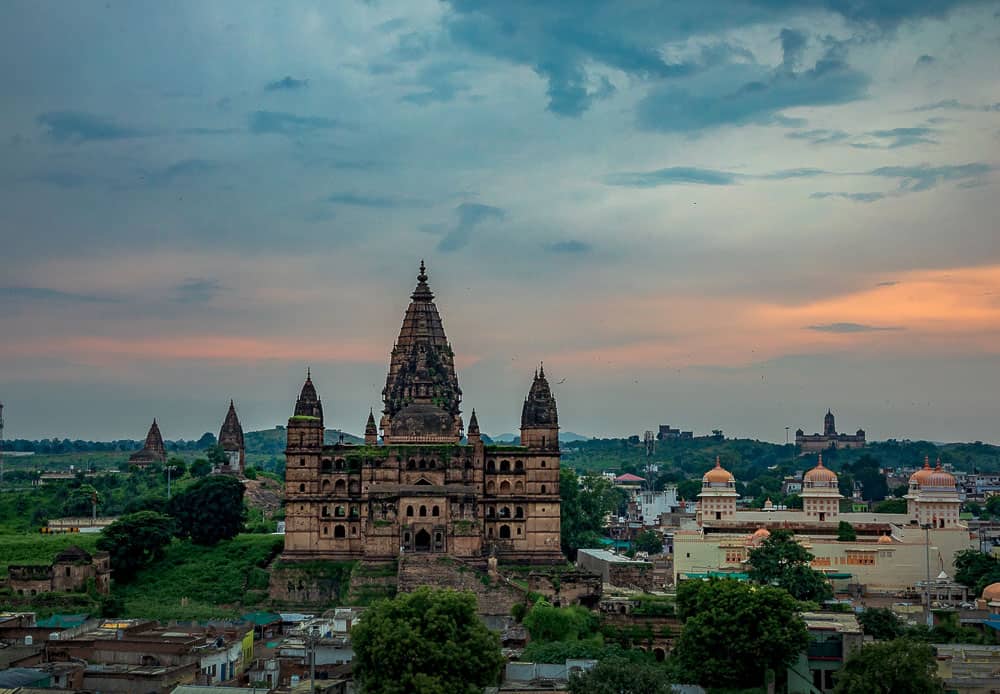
[(418, 486), (152, 452), (231, 440)]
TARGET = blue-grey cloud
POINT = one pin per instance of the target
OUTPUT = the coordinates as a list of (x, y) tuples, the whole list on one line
[(62, 179), (437, 84), (470, 216), (209, 131), (855, 197), (197, 290), (956, 105), (897, 137), (278, 122), (75, 126), (887, 283), (287, 83), (785, 174), (819, 136), (851, 328), (54, 295), (925, 60), (571, 246), (913, 179), (181, 169), (374, 201), (671, 176), (793, 45), (675, 109)]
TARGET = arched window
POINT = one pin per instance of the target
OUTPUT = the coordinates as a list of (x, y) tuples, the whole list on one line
[(340, 512), (504, 466), (519, 486), (543, 463), (354, 486), (354, 530), (411, 464), (423, 464), (326, 529), (489, 532), (518, 530), (491, 466), (518, 466), (504, 532), (491, 487), (339, 465), (505, 512), (409, 510), (326, 485), (326, 466), (302, 487), (490, 512), (339, 487), (518, 512), (302, 462), (543, 489), (435, 511), (505, 487), (423, 511), (340, 531), (326, 510)]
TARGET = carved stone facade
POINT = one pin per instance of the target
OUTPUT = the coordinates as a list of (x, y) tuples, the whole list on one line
[(68, 573), (153, 451), (812, 443), (422, 489)]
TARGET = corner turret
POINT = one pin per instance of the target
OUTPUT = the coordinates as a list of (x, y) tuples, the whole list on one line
[(231, 440), (539, 416), (371, 432)]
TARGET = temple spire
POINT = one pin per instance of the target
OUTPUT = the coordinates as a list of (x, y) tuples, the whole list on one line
[(371, 431), (308, 404)]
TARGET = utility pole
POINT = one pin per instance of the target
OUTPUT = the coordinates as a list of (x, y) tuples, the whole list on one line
[(93, 508), (170, 468), (1, 443), (927, 561), (313, 638)]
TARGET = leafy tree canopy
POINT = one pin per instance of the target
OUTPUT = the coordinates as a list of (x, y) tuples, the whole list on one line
[(585, 504), (976, 569), (846, 532), (901, 666), (891, 506), (621, 676), (547, 623), (135, 540), (649, 541), (733, 632), (881, 623), (200, 468), (425, 642), (209, 510), (783, 562)]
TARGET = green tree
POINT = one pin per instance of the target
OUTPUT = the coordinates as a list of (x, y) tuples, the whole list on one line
[(783, 562), (200, 468), (585, 504), (425, 642), (891, 506), (81, 501), (620, 676), (973, 508), (209, 510), (846, 532), (881, 623), (901, 666), (135, 540), (179, 467), (689, 489), (993, 506), (976, 569), (868, 472), (649, 541), (734, 632), (547, 623)]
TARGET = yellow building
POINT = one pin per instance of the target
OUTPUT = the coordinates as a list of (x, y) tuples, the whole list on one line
[(893, 551)]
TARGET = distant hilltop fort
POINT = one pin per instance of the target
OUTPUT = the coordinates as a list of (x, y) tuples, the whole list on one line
[(812, 443)]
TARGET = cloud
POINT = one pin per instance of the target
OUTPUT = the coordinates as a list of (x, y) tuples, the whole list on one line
[(75, 126), (197, 290), (887, 283), (48, 294), (674, 109), (61, 179), (913, 179), (181, 169), (672, 176), (821, 136), (898, 137), (925, 60), (287, 83), (793, 45), (470, 216), (847, 328), (956, 105), (266, 122), (374, 201), (786, 174), (571, 246), (855, 197), (438, 82)]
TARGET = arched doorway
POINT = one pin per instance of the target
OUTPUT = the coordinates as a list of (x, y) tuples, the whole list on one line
[(422, 541)]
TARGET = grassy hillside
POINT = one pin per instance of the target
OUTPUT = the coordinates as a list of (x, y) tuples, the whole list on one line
[(194, 582), (40, 549)]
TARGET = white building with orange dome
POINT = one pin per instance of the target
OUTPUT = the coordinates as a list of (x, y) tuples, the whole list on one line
[(890, 552)]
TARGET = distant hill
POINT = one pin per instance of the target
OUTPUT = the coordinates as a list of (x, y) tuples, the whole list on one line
[(272, 441), (564, 437)]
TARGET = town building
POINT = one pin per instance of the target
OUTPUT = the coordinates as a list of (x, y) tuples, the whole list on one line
[(668, 433), (892, 552), (152, 452), (69, 572), (812, 443), (420, 489), (833, 637), (231, 440)]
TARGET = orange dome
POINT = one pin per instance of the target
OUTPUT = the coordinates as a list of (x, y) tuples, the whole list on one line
[(991, 592), (884, 540), (940, 478), (760, 534), (921, 475), (718, 474), (820, 473)]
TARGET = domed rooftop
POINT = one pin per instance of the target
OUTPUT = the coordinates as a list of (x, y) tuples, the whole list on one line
[(884, 540), (759, 535), (921, 475), (821, 474), (939, 478), (991, 592), (718, 474)]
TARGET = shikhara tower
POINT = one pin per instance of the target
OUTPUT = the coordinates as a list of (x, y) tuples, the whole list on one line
[(422, 490)]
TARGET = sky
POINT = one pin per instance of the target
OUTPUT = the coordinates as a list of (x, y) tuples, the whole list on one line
[(726, 215)]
